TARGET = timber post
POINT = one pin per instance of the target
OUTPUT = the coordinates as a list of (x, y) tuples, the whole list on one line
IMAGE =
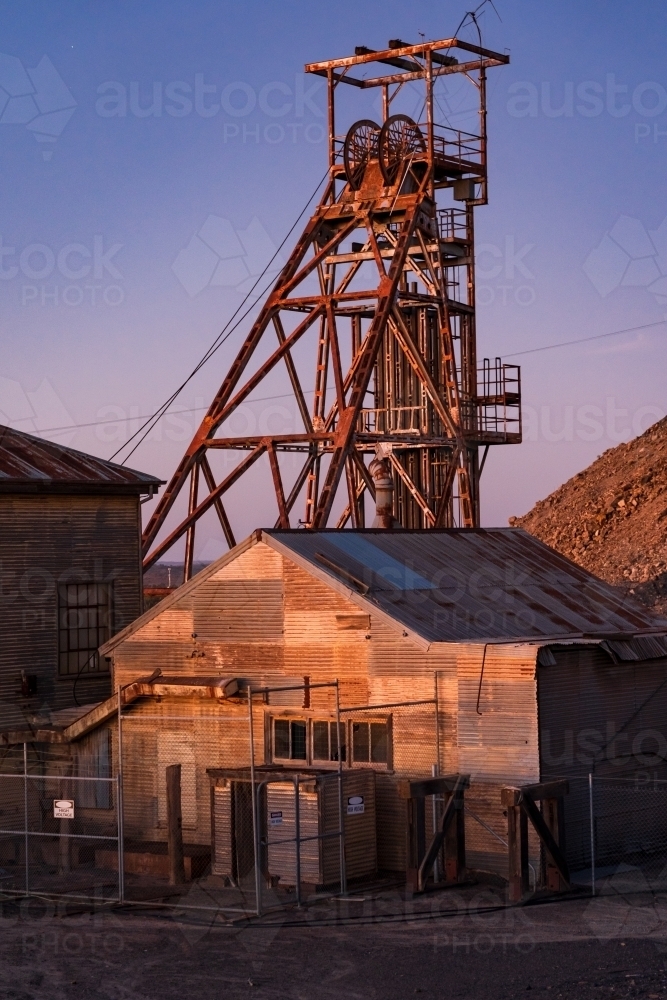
[(175, 825), (549, 824)]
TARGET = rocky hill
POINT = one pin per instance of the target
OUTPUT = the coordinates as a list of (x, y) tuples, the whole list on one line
[(611, 518)]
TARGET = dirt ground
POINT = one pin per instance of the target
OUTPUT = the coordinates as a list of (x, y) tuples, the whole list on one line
[(607, 947)]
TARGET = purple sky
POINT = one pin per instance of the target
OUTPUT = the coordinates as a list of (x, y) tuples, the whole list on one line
[(131, 130)]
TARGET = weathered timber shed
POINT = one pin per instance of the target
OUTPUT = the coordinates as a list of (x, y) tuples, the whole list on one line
[(517, 666), (70, 571)]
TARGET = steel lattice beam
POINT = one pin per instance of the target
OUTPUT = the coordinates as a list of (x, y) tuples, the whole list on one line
[(391, 317)]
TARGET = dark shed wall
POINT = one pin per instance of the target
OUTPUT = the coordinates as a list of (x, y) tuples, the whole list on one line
[(606, 719), (43, 540)]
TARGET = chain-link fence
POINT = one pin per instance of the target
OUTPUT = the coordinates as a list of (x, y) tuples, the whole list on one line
[(58, 826), (278, 798), (628, 832)]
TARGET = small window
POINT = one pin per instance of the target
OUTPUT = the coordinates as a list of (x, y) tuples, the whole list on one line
[(289, 740), (325, 744), (370, 742), (84, 623)]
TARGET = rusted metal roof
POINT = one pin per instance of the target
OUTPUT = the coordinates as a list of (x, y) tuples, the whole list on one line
[(486, 584), (30, 464)]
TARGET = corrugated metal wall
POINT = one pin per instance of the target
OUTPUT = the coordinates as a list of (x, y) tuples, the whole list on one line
[(497, 741), (44, 540), (604, 718)]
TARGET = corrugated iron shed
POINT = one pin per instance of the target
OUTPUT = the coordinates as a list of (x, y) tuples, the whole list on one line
[(457, 585), (30, 464)]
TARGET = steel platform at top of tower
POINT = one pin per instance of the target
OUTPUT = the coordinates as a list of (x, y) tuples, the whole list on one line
[(380, 287)]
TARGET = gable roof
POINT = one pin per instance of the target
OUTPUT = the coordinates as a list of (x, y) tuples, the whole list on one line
[(30, 464), (463, 584), (456, 585)]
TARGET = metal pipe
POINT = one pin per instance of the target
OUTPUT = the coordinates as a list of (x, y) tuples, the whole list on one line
[(331, 118), (592, 823), (429, 121), (341, 820), (25, 815), (380, 470), (437, 717), (65, 836), (121, 824), (297, 820), (255, 810), (70, 777), (434, 806)]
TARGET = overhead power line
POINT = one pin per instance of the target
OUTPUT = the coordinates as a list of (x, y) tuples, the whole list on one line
[(224, 334), (584, 340)]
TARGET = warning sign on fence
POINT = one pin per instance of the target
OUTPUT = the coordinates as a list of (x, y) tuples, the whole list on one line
[(276, 818), (355, 805), (63, 808)]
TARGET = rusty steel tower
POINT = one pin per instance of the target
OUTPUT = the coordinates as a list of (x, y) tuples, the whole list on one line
[(382, 284)]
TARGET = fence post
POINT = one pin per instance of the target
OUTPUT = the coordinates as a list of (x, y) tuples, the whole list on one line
[(25, 816), (434, 811), (119, 793), (64, 842), (592, 823), (255, 809), (341, 815)]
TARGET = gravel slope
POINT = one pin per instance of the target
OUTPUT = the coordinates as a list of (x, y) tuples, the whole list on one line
[(611, 518)]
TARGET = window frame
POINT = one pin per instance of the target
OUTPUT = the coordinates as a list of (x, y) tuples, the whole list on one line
[(88, 660), (332, 742), (290, 720), (387, 764), (310, 720)]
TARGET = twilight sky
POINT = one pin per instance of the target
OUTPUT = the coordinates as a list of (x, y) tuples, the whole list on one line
[(137, 136)]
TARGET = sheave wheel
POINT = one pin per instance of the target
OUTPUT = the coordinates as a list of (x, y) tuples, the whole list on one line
[(400, 138), (361, 145)]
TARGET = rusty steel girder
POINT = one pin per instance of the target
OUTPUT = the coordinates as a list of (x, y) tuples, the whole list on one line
[(382, 282)]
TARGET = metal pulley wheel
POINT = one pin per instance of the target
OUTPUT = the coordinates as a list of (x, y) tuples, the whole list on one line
[(400, 138), (360, 146)]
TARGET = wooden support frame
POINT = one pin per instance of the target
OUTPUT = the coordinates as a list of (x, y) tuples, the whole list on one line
[(549, 824), (450, 834)]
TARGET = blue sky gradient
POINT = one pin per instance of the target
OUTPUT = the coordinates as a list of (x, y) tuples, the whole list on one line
[(570, 245)]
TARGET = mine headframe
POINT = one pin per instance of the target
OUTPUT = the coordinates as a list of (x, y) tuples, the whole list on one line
[(381, 285)]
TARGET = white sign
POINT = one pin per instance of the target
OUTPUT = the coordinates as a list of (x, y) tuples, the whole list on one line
[(63, 808), (275, 819), (355, 805)]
